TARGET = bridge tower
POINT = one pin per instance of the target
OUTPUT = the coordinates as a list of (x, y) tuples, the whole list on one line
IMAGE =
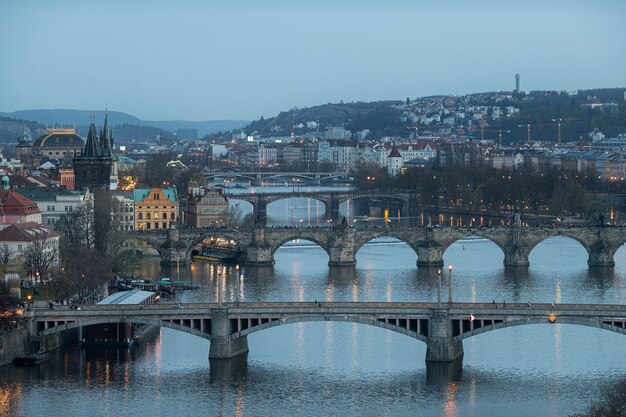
[(440, 346)]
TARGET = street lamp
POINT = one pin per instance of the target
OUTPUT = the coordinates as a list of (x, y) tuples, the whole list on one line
[(439, 288), (449, 284), (237, 284), (219, 290)]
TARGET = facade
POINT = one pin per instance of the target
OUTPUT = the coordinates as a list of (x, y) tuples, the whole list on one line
[(206, 207), (17, 237), (155, 208), (123, 210), (53, 202), (394, 162)]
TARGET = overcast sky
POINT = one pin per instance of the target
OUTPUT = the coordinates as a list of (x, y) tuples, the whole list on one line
[(204, 60)]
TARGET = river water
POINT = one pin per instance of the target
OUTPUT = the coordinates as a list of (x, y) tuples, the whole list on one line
[(313, 369)]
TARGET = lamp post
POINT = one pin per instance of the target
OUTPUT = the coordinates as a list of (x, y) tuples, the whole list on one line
[(219, 290), (449, 284), (439, 288), (237, 283)]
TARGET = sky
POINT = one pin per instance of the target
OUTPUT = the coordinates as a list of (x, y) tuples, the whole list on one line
[(243, 59)]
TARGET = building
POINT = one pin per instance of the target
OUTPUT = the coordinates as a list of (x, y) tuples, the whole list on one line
[(206, 207), (394, 162), (65, 173), (155, 208), (53, 202), (54, 144), (17, 237), (15, 208), (122, 210)]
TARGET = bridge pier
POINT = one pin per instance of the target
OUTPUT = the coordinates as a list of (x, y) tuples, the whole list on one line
[(332, 210), (601, 254), (515, 251), (173, 251), (341, 251), (222, 344), (429, 253), (259, 252), (440, 346)]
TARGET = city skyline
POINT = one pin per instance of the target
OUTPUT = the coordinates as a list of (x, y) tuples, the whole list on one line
[(244, 60)]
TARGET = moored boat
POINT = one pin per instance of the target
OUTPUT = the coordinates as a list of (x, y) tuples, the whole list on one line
[(31, 359)]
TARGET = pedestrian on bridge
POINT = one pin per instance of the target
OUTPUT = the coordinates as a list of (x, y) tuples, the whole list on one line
[(504, 304)]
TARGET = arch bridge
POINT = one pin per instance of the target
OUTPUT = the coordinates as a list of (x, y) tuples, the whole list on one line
[(342, 242), (256, 177), (332, 200), (442, 326)]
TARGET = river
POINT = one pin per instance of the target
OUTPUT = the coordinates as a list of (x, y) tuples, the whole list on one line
[(330, 368)]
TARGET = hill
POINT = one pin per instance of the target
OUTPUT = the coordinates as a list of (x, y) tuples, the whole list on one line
[(540, 109), (70, 117)]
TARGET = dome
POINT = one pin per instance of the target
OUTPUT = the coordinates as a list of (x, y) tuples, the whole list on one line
[(59, 138)]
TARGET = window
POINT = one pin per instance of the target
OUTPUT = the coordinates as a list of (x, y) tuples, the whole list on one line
[(164, 216), (148, 216), (148, 225), (165, 225), (19, 248), (173, 216), (156, 225), (155, 196), (140, 216)]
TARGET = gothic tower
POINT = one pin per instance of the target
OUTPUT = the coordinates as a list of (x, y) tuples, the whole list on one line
[(93, 170)]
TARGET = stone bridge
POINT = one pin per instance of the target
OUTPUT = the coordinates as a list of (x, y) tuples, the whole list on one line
[(256, 177), (442, 326), (332, 200), (341, 242)]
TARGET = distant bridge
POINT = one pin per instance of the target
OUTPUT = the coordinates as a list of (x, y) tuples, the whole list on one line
[(441, 326), (331, 200), (341, 242), (256, 177)]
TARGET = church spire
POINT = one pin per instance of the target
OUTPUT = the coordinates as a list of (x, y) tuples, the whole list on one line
[(106, 141), (92, 147)]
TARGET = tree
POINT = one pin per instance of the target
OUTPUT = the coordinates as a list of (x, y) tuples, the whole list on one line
[(6, 257), (77, 227), (39, 256)]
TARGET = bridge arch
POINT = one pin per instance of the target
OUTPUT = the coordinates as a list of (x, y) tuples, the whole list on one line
[(216, 233), (319, 242), (385, 233), (540, 320), (532, 244), (344, 319), (446, 243), (110, 319)]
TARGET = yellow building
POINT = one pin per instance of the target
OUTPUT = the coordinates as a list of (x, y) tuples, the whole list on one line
[(155, 208)]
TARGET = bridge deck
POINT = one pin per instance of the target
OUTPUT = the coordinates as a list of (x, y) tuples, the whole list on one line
[(335, 308)]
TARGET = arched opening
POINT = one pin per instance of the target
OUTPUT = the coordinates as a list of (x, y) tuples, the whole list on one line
[(560, 256), (297, 269), (300, 212)]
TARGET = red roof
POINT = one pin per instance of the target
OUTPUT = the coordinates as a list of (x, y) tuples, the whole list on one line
[(394, 153), (12, 203), (26, 232)]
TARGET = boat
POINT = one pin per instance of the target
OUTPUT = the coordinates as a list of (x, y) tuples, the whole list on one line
[(31, 359), (218, 250)]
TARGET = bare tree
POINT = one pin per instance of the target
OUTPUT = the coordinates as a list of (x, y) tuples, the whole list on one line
[(39, 256), (77, 227), (6, 257), (60, 285)]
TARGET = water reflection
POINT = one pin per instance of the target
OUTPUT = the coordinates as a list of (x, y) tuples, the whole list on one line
[(443, 373), (229, 371)]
